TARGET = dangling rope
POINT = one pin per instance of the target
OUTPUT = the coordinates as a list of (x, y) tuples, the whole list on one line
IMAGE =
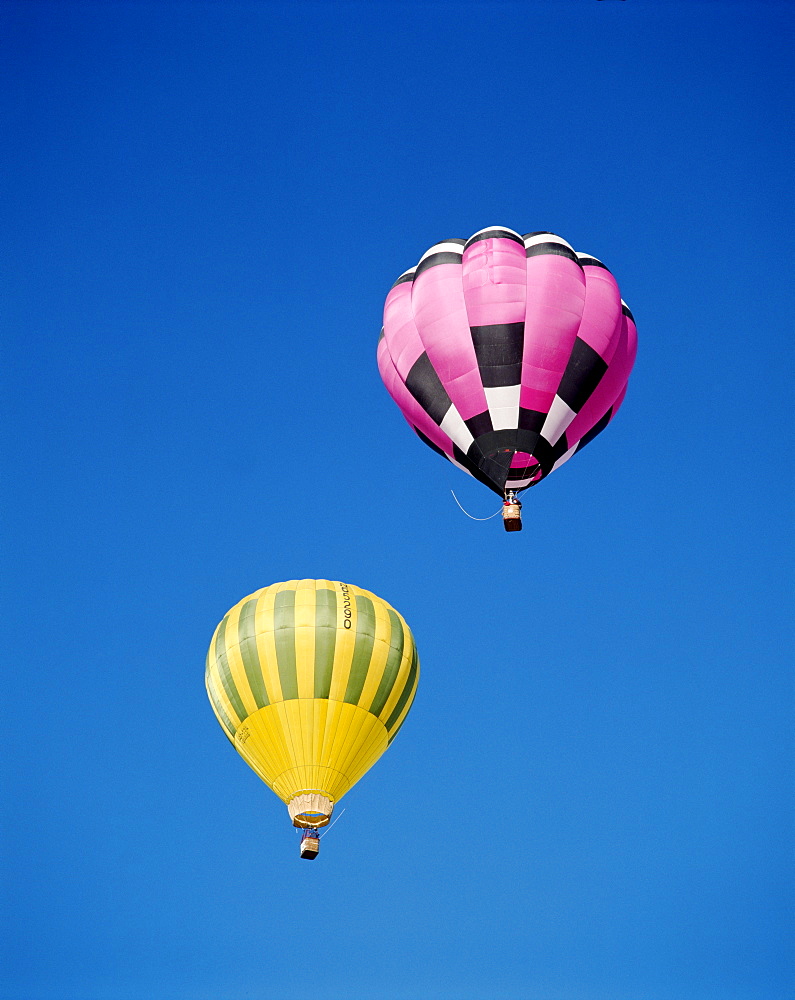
[(328, 829), (496, 512)]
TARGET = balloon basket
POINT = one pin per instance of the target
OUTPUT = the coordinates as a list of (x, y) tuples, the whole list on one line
[(310, 845), (512, 515)]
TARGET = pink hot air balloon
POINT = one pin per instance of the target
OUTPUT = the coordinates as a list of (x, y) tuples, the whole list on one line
[(507, 354)]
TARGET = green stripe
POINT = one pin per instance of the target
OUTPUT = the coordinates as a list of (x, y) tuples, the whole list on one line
[(284, 634), (325, 640), (404, 697), (396, 639), (362, 649), (219, 708), (249, 653), (224, 673)]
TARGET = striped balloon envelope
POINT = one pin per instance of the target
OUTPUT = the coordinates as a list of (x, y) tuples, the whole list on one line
[(311, 681), (506, 353)]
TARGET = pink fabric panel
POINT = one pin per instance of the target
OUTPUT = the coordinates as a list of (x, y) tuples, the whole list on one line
[(400, 330), (494, 279), (555, 302), (407, 404), (632, 351), (601, 318), (437, 301), (538, 388), (618, 402), (441, 317), (521, 460), (611, 385)]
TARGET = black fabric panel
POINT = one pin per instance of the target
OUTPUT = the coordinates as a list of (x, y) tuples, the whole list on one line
[(528, 441), (494, 466), (531, 420), (541, 450), (471, 466), (381, 335), (557, 249), (626, 311), (480, 424), (593, 262), (425, 386), (496, 443), (430, 443), (541, 232), (498, 349), (560, 449), (408, 276), (583, 373), (494, 453), (443, 257), (495, 234), (597, 428)]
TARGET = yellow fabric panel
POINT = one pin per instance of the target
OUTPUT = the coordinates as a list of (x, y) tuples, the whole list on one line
[(266, 748), (372, 748), (273, 748), (305, 637), (266, 645), (346, 640)]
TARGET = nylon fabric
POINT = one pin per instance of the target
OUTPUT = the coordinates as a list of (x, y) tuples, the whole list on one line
[(506, 354), (311, 680)]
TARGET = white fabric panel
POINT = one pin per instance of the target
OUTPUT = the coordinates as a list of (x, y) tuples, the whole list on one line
[(454, 427), (532, 241), (558, 419), (503, 404), (566, 457), (442, 248), (488, 229)]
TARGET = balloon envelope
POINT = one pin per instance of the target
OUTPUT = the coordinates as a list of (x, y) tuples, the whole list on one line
[(507, 353), (311, 681)]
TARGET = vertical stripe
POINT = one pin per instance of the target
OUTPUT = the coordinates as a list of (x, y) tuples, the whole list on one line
[(379, 655), (305, 638), (346, 638), (406, 692), (362, 650), (218, 708), (225, 674), (396, 641), (284, 636), (247, 638), (266, 645), (325, 639), (406, 711)]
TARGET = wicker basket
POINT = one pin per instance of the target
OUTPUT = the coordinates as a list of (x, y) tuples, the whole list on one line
[(512, 516), (310, 847)]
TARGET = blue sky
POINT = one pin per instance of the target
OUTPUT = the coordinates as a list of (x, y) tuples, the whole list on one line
[(205, 206)]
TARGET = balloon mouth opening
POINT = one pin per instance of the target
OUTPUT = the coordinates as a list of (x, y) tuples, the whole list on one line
[(310, 810), (308, 820)]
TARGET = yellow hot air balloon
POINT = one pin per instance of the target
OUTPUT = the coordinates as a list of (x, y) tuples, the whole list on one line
[(311, 680)]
